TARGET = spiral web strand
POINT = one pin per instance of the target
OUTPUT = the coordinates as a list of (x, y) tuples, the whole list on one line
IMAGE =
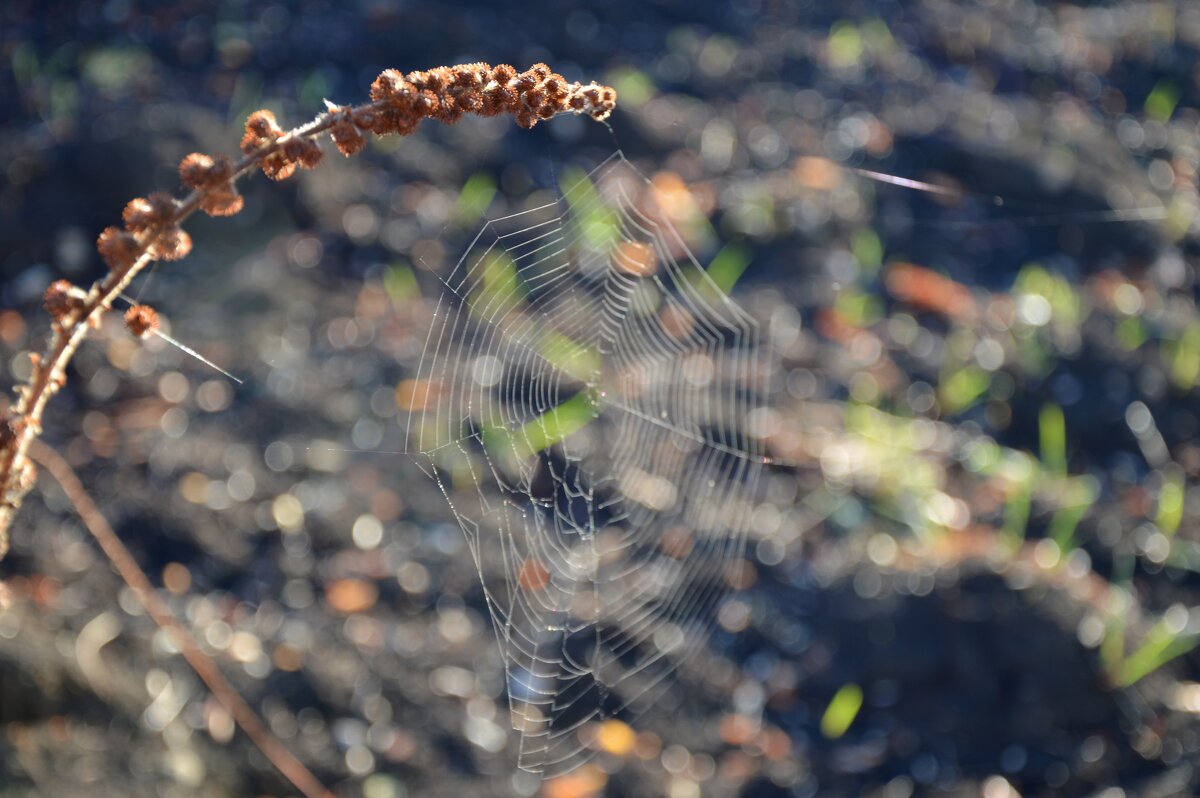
[(582, 402)]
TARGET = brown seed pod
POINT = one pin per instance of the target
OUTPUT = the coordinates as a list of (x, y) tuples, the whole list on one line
[(117, 247), (305, 153), (277, 166), (11, 426), (222, 201), (261, 129), (391, 85), (61, 299), (143, 213), (346, 137), (172, 243), (27, 478), (199, 171), (141, 320)]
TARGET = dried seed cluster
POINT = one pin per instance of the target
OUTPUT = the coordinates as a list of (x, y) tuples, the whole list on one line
[(446, 93), (262, 131), (151, 229), (61, 300), (399, 103), (213, 177), (141, 320), (156, 219)]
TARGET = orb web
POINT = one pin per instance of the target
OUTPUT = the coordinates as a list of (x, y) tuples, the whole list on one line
[(583, 402)]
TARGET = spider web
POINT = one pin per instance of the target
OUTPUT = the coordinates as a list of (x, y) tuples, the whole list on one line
[(582, 402)]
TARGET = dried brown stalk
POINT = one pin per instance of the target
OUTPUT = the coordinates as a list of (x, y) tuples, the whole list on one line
[(152, 225), (229, 698)]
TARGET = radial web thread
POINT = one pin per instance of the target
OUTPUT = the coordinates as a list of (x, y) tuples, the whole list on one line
[(584, 395)]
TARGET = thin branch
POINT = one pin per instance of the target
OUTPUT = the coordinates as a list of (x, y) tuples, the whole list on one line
[(247, 719), (152, 225)]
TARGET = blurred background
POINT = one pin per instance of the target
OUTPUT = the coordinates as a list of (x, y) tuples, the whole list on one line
[(979, 578)]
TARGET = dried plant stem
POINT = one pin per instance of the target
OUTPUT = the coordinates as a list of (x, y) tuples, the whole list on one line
[(49, 372), (153, 232), (247, 719)]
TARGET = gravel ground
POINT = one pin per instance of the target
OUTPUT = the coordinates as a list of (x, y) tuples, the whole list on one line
[(1015, 604)]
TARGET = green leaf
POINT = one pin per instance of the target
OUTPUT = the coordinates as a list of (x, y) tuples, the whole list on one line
[(1161, 647), (475, 197), (577, 360), (590, 213), (1161, 102), (842, 711), (1020, 500), (728, 266), (634, 87), (1170, 501), (1185, 360), (544, 431), (1052, 433), (963, 388), (499, 290), (400, 283), (868, 250), (845, 44), (1081, 495)]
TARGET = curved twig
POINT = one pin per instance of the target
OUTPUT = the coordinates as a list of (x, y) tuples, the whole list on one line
[(152, 226), (247, 719)]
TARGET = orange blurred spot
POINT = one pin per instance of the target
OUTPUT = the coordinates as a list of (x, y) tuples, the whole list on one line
[(287, 657), (879, 140), (386, 505), (348, 596), (373, 301), (821, 174), (177, 578), (775, 744), (60, 728), (927, 290), (417, 394), (44, 591), (741, 575), (586, 782), (677, 542), (12, 327), (736, 767), (1138, 502), (533, 576), (834, 326), (738, 729), (635, 258), (403, 746), (648, 746), (676, 321), (958, 545), (616, 737), (671, 194)]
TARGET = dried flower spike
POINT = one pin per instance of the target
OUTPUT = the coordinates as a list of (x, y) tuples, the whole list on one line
[(198, 170), (118, 248), (141, 320), (261, 130), (214, 178), (305, 153), (10, 428), (222, 201), (346, 136), (145, 213), (62, 299), (173, 243), (152, 229), (446, 93)]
